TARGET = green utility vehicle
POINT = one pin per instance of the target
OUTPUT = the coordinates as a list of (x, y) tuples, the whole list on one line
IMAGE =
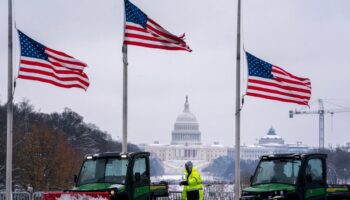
[(293, 177), (123, 175)]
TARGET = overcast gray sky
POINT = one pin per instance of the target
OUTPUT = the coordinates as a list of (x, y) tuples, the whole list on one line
[(307, 38)]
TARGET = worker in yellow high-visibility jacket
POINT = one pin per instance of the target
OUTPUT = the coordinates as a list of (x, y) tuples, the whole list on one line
[(193, 188)]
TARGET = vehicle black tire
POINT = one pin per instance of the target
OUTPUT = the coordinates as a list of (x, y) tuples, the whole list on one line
[(293, 197)]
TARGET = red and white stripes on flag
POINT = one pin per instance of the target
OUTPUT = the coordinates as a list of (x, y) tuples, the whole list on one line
[(40, 63), (153, 36), (140, 30), (272, 82)]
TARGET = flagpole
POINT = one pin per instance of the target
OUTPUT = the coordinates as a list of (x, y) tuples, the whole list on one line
[(237, 191), (125, 99), (9, 107), (125, 91)]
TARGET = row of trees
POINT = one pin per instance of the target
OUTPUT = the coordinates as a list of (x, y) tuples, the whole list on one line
[(48, 148), (338, 163), (44, 159), (224, 167)]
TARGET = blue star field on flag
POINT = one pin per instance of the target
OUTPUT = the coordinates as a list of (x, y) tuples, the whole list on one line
[(257, 67), (31, 48), (134, 14)]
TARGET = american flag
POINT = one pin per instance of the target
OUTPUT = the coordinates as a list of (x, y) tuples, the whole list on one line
[(140, 30), (272, 82), (40, 63)]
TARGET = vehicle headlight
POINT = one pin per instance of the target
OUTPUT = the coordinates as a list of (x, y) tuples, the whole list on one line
[(112, 192)]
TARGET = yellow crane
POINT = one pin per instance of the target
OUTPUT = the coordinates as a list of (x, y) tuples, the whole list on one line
[(321, 112)]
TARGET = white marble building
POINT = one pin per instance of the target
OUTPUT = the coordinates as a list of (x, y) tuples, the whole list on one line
[(187, 152), (271, 143), (186, 142), (186, 128)]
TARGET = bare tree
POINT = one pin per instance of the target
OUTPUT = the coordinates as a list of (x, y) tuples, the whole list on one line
[(45, 160)]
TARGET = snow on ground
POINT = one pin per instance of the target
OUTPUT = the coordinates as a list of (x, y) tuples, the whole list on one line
[(178, 166), (211, 183)]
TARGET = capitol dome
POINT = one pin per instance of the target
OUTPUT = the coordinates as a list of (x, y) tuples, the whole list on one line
[(186, 128), (186, 116)]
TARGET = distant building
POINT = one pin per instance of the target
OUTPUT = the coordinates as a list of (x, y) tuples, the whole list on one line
[(271, 143), (271, 138), (186, 128), (186, 142)]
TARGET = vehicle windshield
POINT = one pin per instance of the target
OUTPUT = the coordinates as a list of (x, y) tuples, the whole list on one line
[(106, 170), (277, 171)]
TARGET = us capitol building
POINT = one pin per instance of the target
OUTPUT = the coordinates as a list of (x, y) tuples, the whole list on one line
[(186, 144), (186, 141)]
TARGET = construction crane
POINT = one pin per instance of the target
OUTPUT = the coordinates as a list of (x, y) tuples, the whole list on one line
[(321, 112)]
